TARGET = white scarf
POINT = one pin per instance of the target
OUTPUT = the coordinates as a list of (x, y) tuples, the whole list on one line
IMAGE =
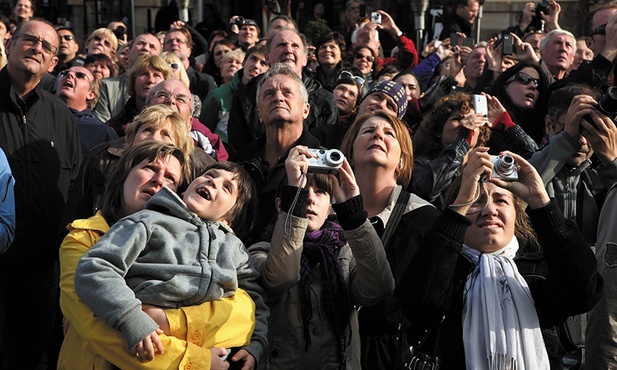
[(501, 330)]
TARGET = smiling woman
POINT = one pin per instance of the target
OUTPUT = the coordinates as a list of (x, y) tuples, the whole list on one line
[(482, 243)]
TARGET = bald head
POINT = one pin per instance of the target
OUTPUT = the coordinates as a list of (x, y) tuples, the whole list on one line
[(175, 94)]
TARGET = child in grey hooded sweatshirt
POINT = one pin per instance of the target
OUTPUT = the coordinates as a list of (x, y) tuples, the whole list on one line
[(174, 253)]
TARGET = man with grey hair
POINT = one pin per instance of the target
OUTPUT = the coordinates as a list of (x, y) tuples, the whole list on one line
[(557, 50), (288, 47), (282, 106)]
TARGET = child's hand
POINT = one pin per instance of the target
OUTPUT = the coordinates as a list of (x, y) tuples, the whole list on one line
[(216, 363), (243, 356), (144, 350), (158, 315)]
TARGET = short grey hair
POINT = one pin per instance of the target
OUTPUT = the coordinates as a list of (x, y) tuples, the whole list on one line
[(557, 32), (283, 69), (305, 45)]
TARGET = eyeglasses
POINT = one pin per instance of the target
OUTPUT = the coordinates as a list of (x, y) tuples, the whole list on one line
[(31, 40), (600, 30), (176, 40), (346, 74), (180, 98), (67, 37), (78, 75), (175, 66), (523, 79), (370, 58)]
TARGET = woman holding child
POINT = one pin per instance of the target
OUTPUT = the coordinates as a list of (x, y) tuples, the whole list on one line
[(314, 271), (188, 336), (378, 148)]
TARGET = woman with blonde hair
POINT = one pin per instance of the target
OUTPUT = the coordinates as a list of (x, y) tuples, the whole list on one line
[(146, 72), (102, 41)]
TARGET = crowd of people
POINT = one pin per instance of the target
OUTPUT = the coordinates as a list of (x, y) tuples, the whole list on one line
[(169, 201)]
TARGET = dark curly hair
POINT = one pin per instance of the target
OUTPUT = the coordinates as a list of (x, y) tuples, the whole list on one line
[(427, 141)]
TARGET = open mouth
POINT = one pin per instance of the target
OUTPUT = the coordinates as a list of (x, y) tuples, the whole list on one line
[(378, 147), (204, 193)]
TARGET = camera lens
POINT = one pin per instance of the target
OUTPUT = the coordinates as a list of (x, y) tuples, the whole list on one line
[(505, 165), (334, 157), (608, 102)]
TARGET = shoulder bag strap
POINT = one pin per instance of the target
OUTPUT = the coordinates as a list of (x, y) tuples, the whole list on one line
[(395, 217)]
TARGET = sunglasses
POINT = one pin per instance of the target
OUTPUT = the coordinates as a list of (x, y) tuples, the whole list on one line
[(31, 40), (370, 58), (600, 30), (346, 74), (523, 79), (78, 75), (67, 37), (174, 65)]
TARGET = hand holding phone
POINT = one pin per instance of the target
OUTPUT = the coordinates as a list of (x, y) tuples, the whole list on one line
[(480, 105)]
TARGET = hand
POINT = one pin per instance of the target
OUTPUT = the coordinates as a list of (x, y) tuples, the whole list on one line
[(244, 356), (579, 107), (602, 138), (551, 20), (444, 50), (474, 121), (145, 350), (529, 186), (478, 165), (296, 165), (158, 315), (429, 49), (529, 11), (177, 24), (216, 363), (465, 51), (388, 24), (348, 187), (493, 55), (524, 51), (495, 109)]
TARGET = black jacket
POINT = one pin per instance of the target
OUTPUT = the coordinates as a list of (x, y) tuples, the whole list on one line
[(267, 180), (41, 142), (201, 83), (244, 126), (562, 279)]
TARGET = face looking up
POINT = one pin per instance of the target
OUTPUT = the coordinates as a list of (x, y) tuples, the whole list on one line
[(146, 179), (287, 47), (212, 195), (33, 50), (280, 101)]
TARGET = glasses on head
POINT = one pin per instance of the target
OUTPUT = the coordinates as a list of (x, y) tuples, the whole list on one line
[(370, 58), (180, 98), (67, 37), (346, 74), (31, 40), (102, 40), (600, 30), (78, 75), (176, 40), (175, 66), (524, 79)]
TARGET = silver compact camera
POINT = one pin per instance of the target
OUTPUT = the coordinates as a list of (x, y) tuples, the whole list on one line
[(504, 168), (376, 18), (325, 160)]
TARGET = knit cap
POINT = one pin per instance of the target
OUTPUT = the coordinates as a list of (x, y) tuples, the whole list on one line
[(396, 92)]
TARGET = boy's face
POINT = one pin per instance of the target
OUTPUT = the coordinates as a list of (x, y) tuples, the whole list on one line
[(212, 195)]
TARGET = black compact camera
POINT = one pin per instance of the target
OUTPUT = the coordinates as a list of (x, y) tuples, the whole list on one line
[(607, 105), (239, 21), (541, 8), (119, 32)]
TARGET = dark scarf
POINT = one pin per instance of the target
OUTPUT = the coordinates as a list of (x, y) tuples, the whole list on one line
[(320, 250)]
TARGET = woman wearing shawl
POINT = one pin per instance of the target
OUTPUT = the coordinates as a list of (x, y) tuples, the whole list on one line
[(481, 287)]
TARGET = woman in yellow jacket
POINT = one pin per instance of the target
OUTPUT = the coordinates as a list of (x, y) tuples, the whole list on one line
[(198, 334)]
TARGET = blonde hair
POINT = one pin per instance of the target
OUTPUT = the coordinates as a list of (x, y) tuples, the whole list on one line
[(181, 75), (160, 115), (106, 33), (237, 54), (143, 62)]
